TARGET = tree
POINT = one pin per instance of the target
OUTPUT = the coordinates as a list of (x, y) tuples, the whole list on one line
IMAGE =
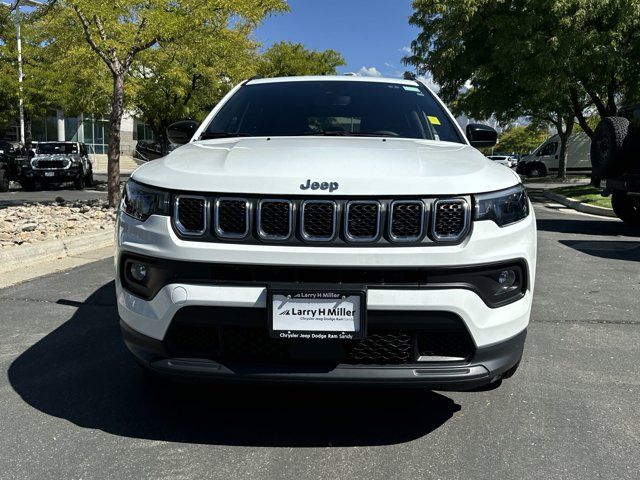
[(546, 71), (186, 79), (8, 70), (289, 59), (521, 139), (119, 32)]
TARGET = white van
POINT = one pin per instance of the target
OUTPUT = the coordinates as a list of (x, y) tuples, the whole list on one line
[(544, 159)]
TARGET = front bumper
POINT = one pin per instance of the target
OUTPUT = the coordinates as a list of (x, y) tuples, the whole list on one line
[(486, 366), (61, 175), (497, 333)]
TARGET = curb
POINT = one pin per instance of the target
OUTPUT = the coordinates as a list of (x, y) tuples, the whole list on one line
[(21, 256), (580, 207)]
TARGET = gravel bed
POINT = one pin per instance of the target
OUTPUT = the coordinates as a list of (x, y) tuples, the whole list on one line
[(37, 222)]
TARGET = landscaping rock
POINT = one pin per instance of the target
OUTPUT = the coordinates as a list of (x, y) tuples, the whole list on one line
[(31, 223)]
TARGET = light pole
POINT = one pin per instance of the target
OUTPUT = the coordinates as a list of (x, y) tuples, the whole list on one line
[(16, 6)]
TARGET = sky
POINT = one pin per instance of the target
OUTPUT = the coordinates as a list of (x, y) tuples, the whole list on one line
[(372, 35)]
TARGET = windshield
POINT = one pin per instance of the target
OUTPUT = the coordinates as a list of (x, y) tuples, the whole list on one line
[(340, 108), (60, 148)]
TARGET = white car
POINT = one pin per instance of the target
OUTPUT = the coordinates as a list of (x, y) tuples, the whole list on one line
[(505, 160), (327, 229)]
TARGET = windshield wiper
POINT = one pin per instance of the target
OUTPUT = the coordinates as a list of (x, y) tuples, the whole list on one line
[(212, 135)]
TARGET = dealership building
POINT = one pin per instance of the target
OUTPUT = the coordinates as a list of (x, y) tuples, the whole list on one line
[(87, 128)]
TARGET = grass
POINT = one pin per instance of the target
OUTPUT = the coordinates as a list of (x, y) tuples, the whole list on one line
[(584, 194)]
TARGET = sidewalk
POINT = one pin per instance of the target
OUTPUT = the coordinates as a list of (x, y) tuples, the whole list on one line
[(127, 163)]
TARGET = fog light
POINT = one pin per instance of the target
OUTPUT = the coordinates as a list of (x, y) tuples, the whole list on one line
[(507, 278), (138, 271)]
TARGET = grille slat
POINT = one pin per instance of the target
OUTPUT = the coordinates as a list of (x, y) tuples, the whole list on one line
[(406, 221), (232, 217), (51, 164), (319, 220), (450, 219), (362, 221), (190, 213), (275, 219)]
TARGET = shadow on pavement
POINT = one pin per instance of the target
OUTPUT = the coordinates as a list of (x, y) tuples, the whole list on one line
[(615, 250), (584, 226), (82, 372)]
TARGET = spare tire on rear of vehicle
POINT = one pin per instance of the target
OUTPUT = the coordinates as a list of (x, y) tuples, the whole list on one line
[(607, 153), (626, 207)]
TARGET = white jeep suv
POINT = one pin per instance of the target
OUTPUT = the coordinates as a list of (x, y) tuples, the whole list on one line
[(327, 229)]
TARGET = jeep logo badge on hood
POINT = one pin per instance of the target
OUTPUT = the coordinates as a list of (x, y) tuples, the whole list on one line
[(331, 186)]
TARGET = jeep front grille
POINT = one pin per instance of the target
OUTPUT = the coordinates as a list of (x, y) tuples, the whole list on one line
[(299, 221), (406, 220), (362, 221), (231, 217), (275, 219), (51, 164), (190, 214), (319, 220), (451, 219)]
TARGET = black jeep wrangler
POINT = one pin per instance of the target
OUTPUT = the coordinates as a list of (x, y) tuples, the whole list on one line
[(13, 158), (615, 158), (56, 163)]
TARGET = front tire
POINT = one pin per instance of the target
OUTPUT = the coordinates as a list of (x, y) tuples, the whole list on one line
[(626, 208), (4, 181), (537, 170), (79, 182), (89, 179)]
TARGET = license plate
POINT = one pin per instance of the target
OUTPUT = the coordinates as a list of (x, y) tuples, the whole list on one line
[(317, 314), (49, 174)]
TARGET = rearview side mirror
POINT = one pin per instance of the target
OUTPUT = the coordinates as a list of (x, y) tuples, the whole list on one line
[(481, 136), (181, 132)]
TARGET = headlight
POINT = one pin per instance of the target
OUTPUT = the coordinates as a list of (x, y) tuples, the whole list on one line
[(140, 202), (503, 207)]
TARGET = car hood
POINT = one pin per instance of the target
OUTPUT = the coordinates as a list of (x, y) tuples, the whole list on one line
[(360, 166)]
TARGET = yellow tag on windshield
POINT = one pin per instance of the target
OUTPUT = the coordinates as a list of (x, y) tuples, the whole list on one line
[(433, 120)]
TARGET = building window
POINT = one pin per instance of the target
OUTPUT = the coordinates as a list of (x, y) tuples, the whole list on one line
[(143, 131), (71, 129), (45, 129), (95, 133)]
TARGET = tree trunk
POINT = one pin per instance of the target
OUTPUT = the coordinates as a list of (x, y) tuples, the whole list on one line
[(115, 121), (163, 139), (562, 155)]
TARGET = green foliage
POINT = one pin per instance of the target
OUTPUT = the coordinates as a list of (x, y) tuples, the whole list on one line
[(120, 33), (8, 71), (564, 55), (291, 59), (520, 140), (186, 79), (551, 60)]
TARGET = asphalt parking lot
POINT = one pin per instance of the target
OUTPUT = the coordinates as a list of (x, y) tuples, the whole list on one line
[(16, 195), (74, 405)]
